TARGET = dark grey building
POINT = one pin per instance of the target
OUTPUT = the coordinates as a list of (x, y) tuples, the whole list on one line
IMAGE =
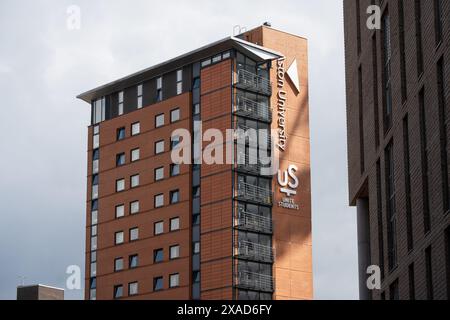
[(39, 292)]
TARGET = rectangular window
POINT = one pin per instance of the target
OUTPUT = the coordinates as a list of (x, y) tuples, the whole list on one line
[(401, 26), (93, 231), (174, 224), (443, 134), (175, 115), (158, 255), (159, 93), (412, 285), (134, 181), (407, 175), (159, 120), (429, 273), (118, 292), (118, 238), (96, 141), (120, 104), (174, 252), (179, 81), (133, 261), (159, 147), (93, 243), (159, 228), (157, 283), (93, 269), (174, 196), (121, 133), (159, 174), (118, 264), (120, 211), (358, 26), (419, 48), (390, 206), (132, 288), (196, 276), (195, 219), (174, 170), (196, 247), (361, 121), (159, 200), (424, 159), (135, 128), (196, 108), (95, 166), (98, 111), (387, 96), (438, 21), (134, 234), (95, 192), (120, 185), (195, 192), (139, 96), (94, 217), (135, 155), (174, 280), (134, 207), (174, 141), (120, 159)]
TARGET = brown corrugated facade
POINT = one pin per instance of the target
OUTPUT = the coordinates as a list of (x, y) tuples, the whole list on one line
[(398, 80), (222, 231)]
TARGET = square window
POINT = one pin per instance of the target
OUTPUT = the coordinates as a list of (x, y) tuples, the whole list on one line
[(159, 147), (174, 252), (175, 115), (118, 264), (159, 174), (94, 217), (120, 185), (158, 255), (93, 243), (174, 224), (196, 247), (134, 207), (118, 292), (157, 283), (120, 211), (134, 234), (159, 120), (120, 159), (135, 128), (132, 288), (159, 228), (119, 237), (133, 261), (174, 196), (121, 133), (174, 280), (134, 181), (159, 200), (135, 155), (174, 170)]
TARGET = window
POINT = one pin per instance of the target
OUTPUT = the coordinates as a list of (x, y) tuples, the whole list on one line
[(174, 224), (93, 269), (438, 20), (135, 128), (159, 147), (159, 174), (390, 205), (120, 159), (159, 120), (174, 196), (174, 280), (196, 192), (174, 170), (135, 155), (120, 211), (93, 243), (93, 231), (120, 185), (96, 141), (206, 62), (159, 200), (174, 141), (119, 237), (174, 252), (196, 247), (159, 228), (447, 259), (158, 255), (134, 207), (95, 154), (375, 90), (132, 288), (179, 81), (401, 26), (95, 166), (157, 283), (195, 219), (139, 96), (429, 273), (118, 292), (118, 264), (134, 234), (159, 94), (175, 115), (94, 217), (424, 159), (196, 276), (93, 256), (196, 108), (121, 133), (358, 26), (419, 48), (120, 104), (380, 220), (361, 121), (133, 261), (95, 191), (407, 175), (387, 96), (98, 112), (443, 134), (94, 205), (135, 181)]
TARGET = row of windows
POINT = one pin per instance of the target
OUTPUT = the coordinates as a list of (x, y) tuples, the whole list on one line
[(158, 285)]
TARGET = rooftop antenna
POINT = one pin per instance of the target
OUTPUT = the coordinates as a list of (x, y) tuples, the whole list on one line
[(237, 30), (22, 280)]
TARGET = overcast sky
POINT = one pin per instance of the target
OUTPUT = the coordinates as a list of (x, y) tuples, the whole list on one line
[(43, 66)]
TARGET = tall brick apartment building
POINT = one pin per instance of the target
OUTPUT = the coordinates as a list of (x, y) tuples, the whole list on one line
[(398, 119), (160, 230)]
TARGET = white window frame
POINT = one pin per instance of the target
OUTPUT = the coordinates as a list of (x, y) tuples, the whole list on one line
[(135, 128), (120, 211)]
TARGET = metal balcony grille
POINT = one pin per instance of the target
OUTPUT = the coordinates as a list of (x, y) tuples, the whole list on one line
[(249, 108), (249, 192), (245, 129), (254, 281), (253, 251), (253, 222), (250, 81)]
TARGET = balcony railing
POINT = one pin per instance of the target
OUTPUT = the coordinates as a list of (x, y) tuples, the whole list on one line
[(253, 222), (250, 192), (254, 281), (246, 130), (249, 108), (253, 251), (250, 81)]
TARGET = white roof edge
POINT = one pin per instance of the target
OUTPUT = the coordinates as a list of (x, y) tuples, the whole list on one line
[(41, 285)]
